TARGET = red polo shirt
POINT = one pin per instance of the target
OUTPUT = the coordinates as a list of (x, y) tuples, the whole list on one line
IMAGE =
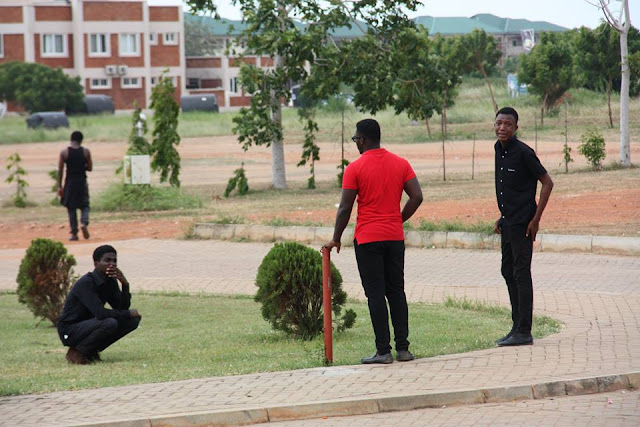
[(379, 177)]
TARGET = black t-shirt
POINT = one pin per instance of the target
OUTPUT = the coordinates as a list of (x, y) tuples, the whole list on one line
[(517, 169)]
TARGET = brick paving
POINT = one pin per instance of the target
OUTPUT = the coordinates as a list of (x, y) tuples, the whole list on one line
[(588, 410), (596, 296)]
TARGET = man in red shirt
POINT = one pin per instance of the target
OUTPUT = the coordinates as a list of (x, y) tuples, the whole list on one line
[(378, 179)]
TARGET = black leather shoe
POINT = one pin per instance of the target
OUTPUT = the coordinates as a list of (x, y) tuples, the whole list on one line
[(517, 339), (506, 337), (378, 358), (404, 356)]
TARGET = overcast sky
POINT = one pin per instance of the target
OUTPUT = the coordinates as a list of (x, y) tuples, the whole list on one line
[(567, 13)]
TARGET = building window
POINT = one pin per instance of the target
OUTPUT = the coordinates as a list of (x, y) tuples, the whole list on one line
[(193, 83), (101, 83), (170, 38), (233, 85), (1, 47), (516, 42), (131, 82), (129, 45), (99, 45), (54, 45), (153, 38)]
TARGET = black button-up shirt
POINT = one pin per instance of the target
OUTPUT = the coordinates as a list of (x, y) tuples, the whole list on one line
[(517, 169), (88, 297)]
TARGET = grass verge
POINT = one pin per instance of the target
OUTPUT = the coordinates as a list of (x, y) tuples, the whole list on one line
[(123, 197), (185, 336)]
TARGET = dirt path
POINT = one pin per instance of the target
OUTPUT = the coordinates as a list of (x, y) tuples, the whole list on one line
[(211, 161)]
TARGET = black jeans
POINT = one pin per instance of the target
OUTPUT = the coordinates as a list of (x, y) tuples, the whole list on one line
[(93, 335), (73, 218), (381, 266), (517, 251)]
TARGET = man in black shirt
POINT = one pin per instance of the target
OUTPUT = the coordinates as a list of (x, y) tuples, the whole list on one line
[(85, 325), (517, 172)]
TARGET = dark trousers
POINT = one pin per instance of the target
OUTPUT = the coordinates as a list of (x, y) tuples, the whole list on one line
[(517, 251), (73, 218), (381, 266), (93, 335)]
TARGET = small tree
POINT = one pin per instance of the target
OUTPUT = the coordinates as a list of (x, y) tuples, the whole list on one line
[(44, 278), (480, 52), (289, 284), (166, 158), (138, 143), (38, 87), (53, 174), (593, 147), (16, 174), (310, 150), (239, 181)]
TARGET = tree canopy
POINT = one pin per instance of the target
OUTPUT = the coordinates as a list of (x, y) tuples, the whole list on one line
[(37, 87), (548, 70)]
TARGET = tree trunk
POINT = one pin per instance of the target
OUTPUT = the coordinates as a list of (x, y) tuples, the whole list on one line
[(444, 115), (544, 102), (625, 153), (609, 84), (428, 127), (443, 129), (486, 79), (278, 176)]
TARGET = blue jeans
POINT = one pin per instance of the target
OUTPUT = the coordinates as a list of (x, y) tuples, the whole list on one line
[(73, 218)]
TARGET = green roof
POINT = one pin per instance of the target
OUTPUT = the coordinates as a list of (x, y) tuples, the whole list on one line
[(218, 27), (508, 25), (450, 25), (453, 25)]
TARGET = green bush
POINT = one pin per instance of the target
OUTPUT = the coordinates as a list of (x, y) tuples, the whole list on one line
[(593, 147), (127, 197), (289, 284), (44, 278)]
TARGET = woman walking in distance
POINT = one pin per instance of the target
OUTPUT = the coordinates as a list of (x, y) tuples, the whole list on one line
[(75, 193)]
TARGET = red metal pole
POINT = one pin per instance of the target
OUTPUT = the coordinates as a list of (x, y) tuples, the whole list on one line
[(326, 303)]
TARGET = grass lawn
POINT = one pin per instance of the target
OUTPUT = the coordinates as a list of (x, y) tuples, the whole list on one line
[(184, 336), (471, 115)]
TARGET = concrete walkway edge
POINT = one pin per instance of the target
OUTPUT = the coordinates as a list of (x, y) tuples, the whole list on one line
[(405, 402), (422, 239)]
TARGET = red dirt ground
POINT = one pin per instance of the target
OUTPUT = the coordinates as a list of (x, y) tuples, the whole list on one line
[(211, 161)]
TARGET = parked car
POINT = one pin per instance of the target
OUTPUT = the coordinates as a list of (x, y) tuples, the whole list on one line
[(97, 104), (48, 120), (204, 102)]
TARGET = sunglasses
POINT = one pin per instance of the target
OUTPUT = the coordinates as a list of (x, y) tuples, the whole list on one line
[(356, 138)]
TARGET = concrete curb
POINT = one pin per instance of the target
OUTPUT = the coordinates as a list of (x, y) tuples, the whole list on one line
[(374, 405), (420, 239)]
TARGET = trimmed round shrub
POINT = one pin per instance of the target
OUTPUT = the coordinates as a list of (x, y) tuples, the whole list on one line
[(289, 284), (44, 278)]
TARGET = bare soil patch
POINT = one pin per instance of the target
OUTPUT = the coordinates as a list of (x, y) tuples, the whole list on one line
[(587, 203)]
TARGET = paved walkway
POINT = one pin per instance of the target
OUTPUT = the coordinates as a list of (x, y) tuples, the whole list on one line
[(596, 296)]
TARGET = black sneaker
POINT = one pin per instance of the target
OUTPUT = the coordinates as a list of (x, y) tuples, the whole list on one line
[(73, 237), (85, 231), (378, 358)]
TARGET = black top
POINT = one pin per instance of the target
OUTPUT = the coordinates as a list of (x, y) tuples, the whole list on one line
[(76, 191), (88, 296), (517, 170)]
